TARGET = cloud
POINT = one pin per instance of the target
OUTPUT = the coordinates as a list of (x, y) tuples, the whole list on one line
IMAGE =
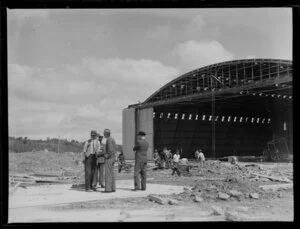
[(77, 98), (160, 32), (195, 26), (195, 54)]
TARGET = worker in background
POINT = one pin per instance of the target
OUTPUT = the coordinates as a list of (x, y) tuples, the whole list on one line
[(91, 147), (140, 167), (197, 154), (110, 158), (201, 157), (121, 161), (176, 158), (156, 157), (100, 164), (164, 157), (168, 158)]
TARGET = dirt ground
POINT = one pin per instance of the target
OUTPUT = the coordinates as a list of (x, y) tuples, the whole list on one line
[(208, 183)]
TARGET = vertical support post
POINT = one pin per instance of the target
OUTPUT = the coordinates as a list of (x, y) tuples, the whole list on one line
[(244, 73), (229, 75), (237, 75), (186, 87), (260, 71), (213, 121), (269, 71), (222, 75), (252, 72)]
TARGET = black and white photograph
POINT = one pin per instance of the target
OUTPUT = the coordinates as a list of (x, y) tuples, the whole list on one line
[(150, 115)]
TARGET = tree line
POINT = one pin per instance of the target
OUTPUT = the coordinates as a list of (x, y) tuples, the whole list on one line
[(23, 144)]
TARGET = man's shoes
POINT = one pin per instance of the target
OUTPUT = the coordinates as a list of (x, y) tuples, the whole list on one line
[(135, 189), (107, 191), (89, 190), (143, 189), (94, 189)]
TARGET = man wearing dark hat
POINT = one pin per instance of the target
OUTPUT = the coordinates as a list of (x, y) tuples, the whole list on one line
[(140, 166), (99, 171), (110, 158), (91, 148)]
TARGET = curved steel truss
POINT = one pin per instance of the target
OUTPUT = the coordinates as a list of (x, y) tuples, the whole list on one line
[(223, 77)]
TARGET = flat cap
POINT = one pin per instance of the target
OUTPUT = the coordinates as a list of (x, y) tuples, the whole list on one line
[(141, 133)]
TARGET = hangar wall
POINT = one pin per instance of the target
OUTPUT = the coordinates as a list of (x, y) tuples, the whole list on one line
[(128, 136)]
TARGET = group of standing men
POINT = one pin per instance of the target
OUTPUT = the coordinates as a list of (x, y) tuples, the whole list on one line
[(99, 160)]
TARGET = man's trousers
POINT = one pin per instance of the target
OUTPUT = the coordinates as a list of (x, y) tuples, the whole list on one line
[(140, 168), (110, 181), (99, 175), (89, 167)]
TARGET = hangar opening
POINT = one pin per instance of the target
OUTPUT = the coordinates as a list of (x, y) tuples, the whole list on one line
[(230, 108)]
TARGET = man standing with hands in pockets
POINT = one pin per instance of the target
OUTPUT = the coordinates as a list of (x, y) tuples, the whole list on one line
[(91, 148), (140, 167), (110, 158)]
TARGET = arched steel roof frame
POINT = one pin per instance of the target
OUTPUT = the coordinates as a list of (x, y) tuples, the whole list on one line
[(222, 76)]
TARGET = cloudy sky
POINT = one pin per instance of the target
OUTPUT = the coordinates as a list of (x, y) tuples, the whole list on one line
[(70, 71)]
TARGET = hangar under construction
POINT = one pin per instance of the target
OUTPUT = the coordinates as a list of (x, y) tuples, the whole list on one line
[(229, 108)]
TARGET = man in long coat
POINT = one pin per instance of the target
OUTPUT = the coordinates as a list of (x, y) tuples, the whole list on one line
[(110, 158), (140, 166), (90, 149), (100, 163)]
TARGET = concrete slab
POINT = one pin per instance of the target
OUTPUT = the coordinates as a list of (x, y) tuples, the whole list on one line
[(113, 215), (61, 194)]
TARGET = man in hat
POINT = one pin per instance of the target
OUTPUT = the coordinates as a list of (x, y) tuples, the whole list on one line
[(99, 171), (140, 166), (90, 149), (110, 158)]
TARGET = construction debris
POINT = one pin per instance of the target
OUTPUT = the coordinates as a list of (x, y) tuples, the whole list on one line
[(223, 196), (173, 202), (242, 209), (14, 188), (232, 216), (254, 195), (217, 210), (44, 175), (158, 199), (273, 178), (198, 199), (235, 193), (24, 179), (276, 187)]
